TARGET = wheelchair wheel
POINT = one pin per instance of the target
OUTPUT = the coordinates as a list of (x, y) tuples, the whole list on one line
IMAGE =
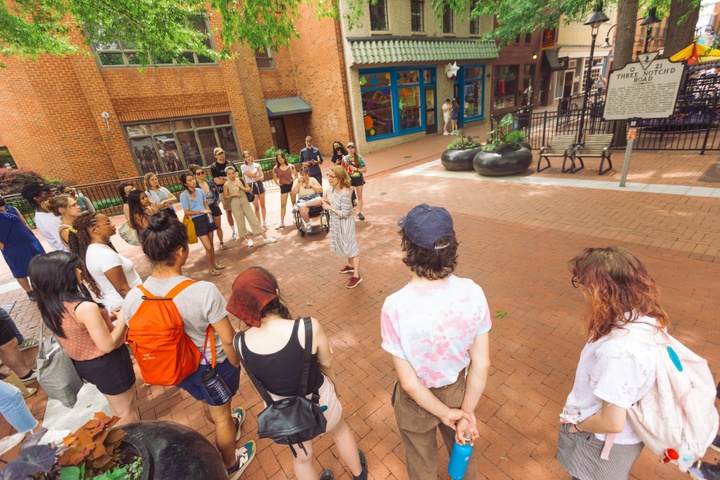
[(325, 221)]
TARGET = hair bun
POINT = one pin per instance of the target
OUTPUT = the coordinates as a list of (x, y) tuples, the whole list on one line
[(159, 221)]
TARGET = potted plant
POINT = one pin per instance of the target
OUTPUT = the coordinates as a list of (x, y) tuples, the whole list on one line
[(152, 450), (506, 152), (460, 153)]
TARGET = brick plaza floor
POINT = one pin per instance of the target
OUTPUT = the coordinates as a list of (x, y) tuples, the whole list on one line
[(515, 240)]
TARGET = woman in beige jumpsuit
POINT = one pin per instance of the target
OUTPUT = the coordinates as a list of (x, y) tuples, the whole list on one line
[(235, 190)]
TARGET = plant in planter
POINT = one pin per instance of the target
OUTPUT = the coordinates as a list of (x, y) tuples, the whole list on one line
[(460, 153), (505, 153), (91, 452)]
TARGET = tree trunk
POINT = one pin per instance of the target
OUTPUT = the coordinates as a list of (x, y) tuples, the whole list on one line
[(624, 42), (680, 36)]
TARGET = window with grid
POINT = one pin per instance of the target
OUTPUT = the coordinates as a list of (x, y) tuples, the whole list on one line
[(448, 20), (264, 59), (378, 15), (122, 53), (417, 15), (474, 22)]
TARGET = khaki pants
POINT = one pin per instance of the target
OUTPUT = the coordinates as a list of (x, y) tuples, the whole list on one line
[(417, 431)]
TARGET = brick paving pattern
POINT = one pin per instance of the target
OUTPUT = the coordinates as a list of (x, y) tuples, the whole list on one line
[(515, 241)]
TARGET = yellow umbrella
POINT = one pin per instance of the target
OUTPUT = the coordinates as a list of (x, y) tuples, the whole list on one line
[(696, 53)]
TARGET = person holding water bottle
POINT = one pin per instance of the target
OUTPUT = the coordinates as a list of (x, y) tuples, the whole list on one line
[(165, 242), (436, 329)]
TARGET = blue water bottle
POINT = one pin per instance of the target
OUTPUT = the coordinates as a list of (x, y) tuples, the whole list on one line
[(459, 459)]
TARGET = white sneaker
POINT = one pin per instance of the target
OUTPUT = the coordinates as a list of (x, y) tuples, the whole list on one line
[(250, 242), (279, 226), (308, 228), (446, 133), (234, 235), (269, 240), (265, 225)]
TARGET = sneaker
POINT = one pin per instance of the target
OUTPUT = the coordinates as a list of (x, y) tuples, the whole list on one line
[(28, 343), (363, 463), (234, 235), (446, 133), (295, 208), (29, 378), (269, 240), (715, 445), (279, 226), (239, 416), (31, 296), (361, 216), (250, 242), (327, 475), (243, 457), (308, 228), (354, 282), (347, 269), (705, 471), (265, 225)]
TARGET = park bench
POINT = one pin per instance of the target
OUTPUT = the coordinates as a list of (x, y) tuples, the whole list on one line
[(597, 146), (560, 146)]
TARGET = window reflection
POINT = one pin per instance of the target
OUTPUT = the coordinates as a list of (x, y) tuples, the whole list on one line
[(409, 107), (377, 112)]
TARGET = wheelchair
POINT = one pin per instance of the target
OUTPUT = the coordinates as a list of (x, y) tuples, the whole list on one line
[(320, 212)]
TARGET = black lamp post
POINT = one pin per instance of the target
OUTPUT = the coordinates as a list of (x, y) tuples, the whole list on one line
[(595, 20), (649, 21)]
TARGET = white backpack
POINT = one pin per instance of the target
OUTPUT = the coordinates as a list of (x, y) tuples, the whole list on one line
[(678, 412)]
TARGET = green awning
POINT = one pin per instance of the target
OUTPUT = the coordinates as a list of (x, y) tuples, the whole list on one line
[(368, 51), (277, 107)]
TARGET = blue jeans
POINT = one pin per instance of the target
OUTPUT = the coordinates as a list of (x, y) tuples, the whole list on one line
[(5, 317), (14, 409)]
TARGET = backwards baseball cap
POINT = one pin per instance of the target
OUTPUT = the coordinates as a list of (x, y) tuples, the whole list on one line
[(32, 190), (218, 151), (424, 224)]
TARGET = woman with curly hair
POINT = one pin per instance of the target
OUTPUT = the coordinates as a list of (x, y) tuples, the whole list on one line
[(616, 369), (342, 222), (108, 275)]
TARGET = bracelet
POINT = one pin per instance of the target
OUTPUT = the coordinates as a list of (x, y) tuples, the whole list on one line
[(577, 428)]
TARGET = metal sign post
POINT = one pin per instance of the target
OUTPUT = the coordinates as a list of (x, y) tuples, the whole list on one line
[(631, 134)]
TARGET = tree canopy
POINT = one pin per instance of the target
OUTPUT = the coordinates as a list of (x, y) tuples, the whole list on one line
[(152, 28)]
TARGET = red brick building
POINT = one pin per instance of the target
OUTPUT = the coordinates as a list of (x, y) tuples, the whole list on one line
[(95, 116)]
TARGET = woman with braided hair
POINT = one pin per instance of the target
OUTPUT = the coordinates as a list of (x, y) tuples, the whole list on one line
[(108, 275)]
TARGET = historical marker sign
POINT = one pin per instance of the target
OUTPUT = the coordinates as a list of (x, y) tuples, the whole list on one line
[(644, 89)]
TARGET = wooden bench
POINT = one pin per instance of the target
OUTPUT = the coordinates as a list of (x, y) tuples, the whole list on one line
[(598, 146), (560, 146)]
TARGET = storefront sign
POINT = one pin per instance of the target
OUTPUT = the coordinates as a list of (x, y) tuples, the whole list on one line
[(644, 89)]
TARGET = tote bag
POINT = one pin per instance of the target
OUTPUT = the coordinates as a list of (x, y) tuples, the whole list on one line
[(56, 373), (192, 236), (129, 234)]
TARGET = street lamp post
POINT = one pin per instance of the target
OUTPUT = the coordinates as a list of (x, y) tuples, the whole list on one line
[(649, 21), (595, 20)]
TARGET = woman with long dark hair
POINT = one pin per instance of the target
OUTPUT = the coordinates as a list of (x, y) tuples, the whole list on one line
[(124, 189), (165, 242), (85, 330), (140, 209), (274, 349), (108, 275), (355, 167), (195, 205), (284, 175), (615, 370), (339, 152)]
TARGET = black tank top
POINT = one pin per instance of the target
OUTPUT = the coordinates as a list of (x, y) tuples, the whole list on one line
[(280, 372)]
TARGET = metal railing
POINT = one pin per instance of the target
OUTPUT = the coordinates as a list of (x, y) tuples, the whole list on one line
[(105, 196)]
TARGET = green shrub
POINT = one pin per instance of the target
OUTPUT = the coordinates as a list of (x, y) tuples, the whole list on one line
[(107, 203), (464, 142)]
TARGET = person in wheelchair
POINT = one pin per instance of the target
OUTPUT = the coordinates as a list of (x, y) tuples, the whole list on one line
[(308, 192)]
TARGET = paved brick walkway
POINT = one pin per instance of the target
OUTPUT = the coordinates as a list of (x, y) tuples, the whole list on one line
[(515, 241)]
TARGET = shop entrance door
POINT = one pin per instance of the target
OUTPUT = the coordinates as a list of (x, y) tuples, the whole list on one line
[(430, 111)]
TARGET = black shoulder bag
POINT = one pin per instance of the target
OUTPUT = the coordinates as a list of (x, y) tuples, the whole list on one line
[(292, 420)]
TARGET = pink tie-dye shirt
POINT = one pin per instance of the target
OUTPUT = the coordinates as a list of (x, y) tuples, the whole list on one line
[(433, 326)]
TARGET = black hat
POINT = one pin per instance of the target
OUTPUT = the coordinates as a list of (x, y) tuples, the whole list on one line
[(32, 190)]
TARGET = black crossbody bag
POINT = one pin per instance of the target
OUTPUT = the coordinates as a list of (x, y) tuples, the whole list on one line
[(292, 420)]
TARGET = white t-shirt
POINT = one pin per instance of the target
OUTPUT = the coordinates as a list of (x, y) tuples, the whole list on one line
[(48, 225), (618, 370), (246, 168), (101, 258)]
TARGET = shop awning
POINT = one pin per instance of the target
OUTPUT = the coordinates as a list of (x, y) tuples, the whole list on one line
[(551, 61), (277, 107), (369, 51)]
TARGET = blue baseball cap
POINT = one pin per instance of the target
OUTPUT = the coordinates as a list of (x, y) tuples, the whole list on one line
[(424, 224)]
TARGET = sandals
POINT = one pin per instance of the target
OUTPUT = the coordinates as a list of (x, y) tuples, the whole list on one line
[(214, 272), (219, 267), (222, 246)]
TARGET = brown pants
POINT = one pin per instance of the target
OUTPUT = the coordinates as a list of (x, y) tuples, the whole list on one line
[(417, 431)]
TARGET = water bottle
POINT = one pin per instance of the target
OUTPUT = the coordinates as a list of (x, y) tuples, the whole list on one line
[(459, 458), (215, 386), (685, 458)]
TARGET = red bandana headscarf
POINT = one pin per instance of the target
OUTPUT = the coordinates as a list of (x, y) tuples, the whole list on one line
[(252, 290)]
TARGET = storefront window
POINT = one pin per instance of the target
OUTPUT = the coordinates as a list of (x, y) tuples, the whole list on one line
[(527, 84), (172, 144), (506, 86), (394, 100), (472, 90)]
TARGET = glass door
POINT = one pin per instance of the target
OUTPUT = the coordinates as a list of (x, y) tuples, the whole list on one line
[(430, 111)]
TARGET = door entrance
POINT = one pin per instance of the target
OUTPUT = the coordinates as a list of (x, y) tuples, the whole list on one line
[(279, 136), (430, 111)]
